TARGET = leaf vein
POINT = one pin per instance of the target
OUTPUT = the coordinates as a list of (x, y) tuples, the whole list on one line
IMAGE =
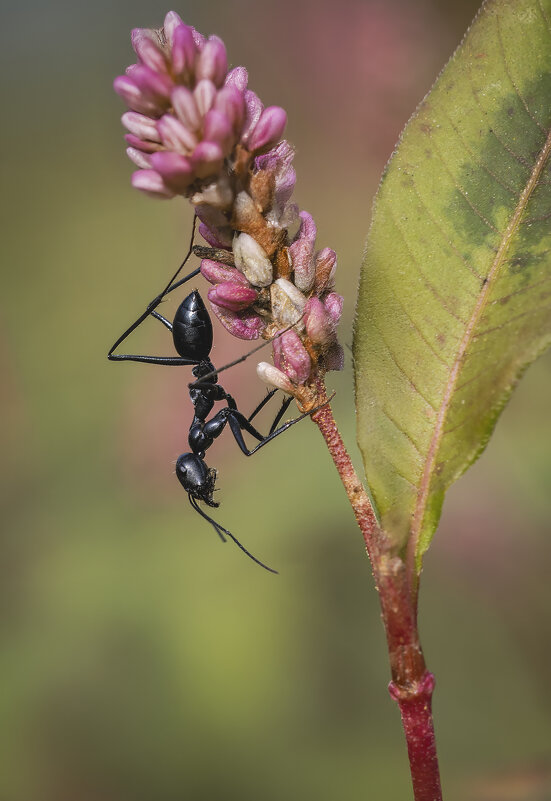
[(521, 291), (421, 335), (427, 283), (400, 429), (513, 84), (465, 195), (545, 17), (505, 323), (478, 163), (497, 264), (400, 368), (445, 236)]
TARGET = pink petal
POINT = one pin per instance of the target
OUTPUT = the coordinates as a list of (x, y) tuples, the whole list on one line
[(237, 77), (186, 108), (231, 103), (232, 296), (243, 325), (184, 52), (145, 44), (151, 183), (319, 324), (175, 135), (140, 144), (302, 252), (207, 159), (141, 126), (268, 130), (212, 62), (175, 170), (217, 273), (217, 128), (204, 93)]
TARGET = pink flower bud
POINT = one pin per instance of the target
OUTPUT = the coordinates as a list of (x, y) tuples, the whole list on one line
[(243, 325), (326, 265), (253, 110), (232, 296), (217, 273), (134, 98), (172, 20), (184, 51), (175, 135), (217, 128), (185, 107), (302, 252), (334, 303), (319, 324), (294, 358), (151, 183), (274, 377), (215, 237), (212, 62), (214, 219), (207, 159), (140, 144), (205, 94), (146, 47), (199, 39), (153, 85), (175, 170), (231, 103), (237, 77), (268, 130), (141, 126), (140, 159)]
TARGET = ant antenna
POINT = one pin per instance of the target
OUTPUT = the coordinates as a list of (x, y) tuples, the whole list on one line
[(169, 287), (214, 373), (219, 529)]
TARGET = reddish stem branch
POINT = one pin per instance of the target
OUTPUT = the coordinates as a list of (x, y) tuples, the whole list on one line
[(411, 684)]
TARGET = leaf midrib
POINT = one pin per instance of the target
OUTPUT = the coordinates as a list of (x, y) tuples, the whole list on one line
[(424, 485)]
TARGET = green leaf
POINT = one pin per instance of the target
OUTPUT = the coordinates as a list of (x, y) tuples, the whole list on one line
[(455, 293)]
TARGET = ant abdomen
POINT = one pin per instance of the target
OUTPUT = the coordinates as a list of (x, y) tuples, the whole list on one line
[(192, 328)]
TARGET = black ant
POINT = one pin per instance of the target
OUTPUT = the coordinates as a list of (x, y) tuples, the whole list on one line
[(192, 335)]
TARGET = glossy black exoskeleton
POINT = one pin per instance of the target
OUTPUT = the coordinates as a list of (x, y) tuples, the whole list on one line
[(192, 336)]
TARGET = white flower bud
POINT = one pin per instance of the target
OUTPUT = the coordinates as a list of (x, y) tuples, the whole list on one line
[(288, 302), (251, 259), (276, 378)]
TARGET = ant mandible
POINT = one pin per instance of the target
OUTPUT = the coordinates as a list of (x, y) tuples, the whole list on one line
[(192, 335)]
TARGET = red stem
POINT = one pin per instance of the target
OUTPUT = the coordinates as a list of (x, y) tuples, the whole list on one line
[(411, 684)]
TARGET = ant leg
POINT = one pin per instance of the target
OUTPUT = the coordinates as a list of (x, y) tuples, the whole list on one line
[(269, 395), (239, 423), (163, 320), (150, 311), (169, 360), (157, 300), (262, 404), (284, 406)]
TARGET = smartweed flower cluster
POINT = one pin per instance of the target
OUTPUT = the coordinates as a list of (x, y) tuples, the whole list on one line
[(196, 130)]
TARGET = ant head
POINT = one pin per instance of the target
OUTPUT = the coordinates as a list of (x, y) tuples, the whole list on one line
[(196, 478)]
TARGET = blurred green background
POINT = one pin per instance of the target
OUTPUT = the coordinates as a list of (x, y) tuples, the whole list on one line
[(140, 659)]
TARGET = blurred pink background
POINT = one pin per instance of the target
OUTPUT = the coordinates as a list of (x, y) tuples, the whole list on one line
[(141, 659)]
